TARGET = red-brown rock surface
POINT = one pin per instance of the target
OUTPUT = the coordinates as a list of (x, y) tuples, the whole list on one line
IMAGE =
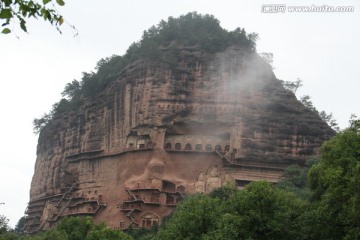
[(129, 155)]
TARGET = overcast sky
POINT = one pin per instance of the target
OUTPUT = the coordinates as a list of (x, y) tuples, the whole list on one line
[(321, 48)]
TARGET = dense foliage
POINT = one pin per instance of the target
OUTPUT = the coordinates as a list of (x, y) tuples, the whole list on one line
[(296, 179), (159, 43), (260, 211), (335, 181), (75, 228)]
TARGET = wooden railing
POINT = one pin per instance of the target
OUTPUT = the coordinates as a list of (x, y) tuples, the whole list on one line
[(112, 154)]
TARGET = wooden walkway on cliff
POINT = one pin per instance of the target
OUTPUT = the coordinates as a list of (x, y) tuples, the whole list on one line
[(93, 155), (134, 204), (35, 222)]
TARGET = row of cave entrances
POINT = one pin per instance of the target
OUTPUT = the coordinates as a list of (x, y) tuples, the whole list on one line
[(198, 147)]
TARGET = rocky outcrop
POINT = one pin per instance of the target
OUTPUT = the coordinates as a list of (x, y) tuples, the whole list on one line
[(160, 131)]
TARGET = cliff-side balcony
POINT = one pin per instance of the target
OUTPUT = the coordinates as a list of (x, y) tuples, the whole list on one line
[(152, 202), (87, 201), (113, 154), (36, 204), (42, 201), (31, 212), (132, 200), (92, 211), (127, 208), (32, 216), (141, 188), (171, 204)]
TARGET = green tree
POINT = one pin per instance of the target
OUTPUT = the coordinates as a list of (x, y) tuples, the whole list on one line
[(19, 228), (223, 193), (53, 234), (295, 179), (40, 123), (4, 224), (329, 119), (306, 101), (9, 236), (292, 86), (20, 10), (76, 228), (260, 211), (104, 233), (269, 59), (335, 181), (71, 90), (194, 217), (145, 233)]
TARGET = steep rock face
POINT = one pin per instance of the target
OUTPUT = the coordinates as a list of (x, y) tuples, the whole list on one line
[(160, 131)]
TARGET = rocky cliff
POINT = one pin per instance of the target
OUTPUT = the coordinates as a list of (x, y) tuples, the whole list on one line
[(160, 131)]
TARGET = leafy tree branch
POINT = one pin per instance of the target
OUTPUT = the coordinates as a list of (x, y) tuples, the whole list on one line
[(18, 11)]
